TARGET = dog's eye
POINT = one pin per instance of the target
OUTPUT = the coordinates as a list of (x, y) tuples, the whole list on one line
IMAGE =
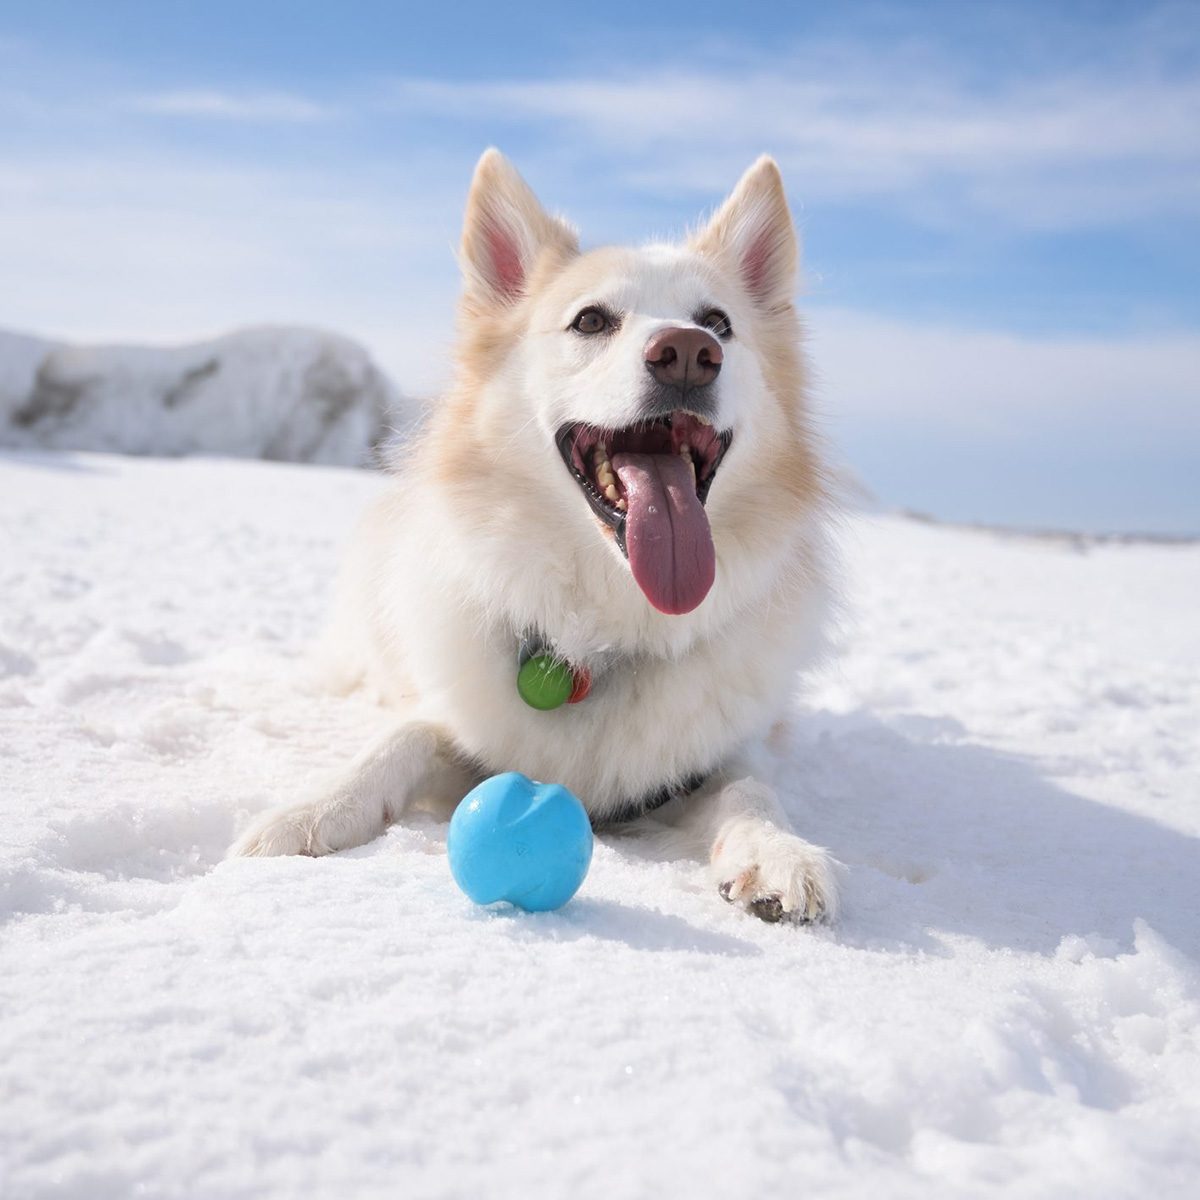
[(718, 322), (591, 320)]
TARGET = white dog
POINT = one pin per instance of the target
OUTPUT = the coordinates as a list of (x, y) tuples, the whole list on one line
[(621, 479)]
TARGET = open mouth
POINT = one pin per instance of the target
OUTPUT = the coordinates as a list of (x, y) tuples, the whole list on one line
[(648, 484)]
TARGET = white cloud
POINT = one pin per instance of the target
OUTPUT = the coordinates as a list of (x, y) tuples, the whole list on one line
[(1056, 152), (1005, 387), (1038, 147), (231, 106)]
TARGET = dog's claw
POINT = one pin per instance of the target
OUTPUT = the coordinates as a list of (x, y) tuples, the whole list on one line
[(767, 908), (772, 874)]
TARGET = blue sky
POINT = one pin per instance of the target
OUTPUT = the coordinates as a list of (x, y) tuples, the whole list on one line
[(1000, 204)]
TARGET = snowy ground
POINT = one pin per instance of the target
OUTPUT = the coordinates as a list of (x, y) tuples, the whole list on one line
[(1007, 758)]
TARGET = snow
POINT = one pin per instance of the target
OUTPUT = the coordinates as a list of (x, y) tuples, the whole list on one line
[(291, 394), (1004, 755)]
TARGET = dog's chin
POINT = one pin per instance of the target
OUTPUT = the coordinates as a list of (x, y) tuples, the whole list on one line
[(647, 484)]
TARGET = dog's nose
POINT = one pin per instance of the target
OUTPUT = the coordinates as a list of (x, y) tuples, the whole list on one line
[(683, 358)]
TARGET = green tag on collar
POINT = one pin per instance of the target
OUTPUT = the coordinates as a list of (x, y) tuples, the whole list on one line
[(545, 682)]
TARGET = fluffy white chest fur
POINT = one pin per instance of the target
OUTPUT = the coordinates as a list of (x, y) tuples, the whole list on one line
[(623, 470), (430, 624)]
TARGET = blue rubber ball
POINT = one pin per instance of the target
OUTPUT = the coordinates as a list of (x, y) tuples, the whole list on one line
[(517, 840)]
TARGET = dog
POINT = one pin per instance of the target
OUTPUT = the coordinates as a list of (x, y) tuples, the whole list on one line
[(622, 487)]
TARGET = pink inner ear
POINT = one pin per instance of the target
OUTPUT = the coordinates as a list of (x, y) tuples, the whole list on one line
[(756, 265), (507, 272)]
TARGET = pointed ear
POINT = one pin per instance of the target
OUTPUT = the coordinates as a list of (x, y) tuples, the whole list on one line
[(752, 233), (504, 233)]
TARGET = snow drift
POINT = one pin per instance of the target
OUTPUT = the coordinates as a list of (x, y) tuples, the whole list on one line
[(296, 395)]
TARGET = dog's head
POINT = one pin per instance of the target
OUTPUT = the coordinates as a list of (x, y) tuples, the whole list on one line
[(656, 393)]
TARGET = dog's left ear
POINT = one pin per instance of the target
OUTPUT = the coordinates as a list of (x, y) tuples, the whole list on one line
[(505, 232), (753, 233)]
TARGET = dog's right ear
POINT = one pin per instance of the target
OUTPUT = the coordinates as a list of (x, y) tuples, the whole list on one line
[(505, 232)]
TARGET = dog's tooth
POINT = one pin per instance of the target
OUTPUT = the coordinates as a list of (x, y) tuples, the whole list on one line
[(622, 504), (611, 493), (702, 419)]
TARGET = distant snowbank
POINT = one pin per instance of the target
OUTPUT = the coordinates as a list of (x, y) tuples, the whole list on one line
[(297, 395)]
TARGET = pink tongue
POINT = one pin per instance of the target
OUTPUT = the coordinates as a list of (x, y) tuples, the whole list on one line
[(667, 537)]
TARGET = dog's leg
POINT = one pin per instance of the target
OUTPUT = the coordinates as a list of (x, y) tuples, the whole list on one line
[(356, 806), (757, 862)]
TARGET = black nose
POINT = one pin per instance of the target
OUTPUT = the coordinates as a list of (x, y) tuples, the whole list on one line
[(683, 358)]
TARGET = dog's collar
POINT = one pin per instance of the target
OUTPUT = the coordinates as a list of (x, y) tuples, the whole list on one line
[(632, 809)]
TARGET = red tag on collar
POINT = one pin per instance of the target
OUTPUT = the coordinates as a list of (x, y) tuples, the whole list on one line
[(583, 684)]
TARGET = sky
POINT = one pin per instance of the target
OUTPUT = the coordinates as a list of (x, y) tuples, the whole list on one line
[(999, 204)]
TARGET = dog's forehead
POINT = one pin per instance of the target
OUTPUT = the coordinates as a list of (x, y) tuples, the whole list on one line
[(656, 281)]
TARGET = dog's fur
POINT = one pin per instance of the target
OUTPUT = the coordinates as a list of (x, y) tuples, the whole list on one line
[(486, 535)]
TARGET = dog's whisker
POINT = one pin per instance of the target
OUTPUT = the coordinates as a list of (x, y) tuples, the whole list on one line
[(511, 439)]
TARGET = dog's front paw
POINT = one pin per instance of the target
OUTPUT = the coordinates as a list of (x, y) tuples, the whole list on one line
[(336, 820), (774, 875), (277, 831)]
